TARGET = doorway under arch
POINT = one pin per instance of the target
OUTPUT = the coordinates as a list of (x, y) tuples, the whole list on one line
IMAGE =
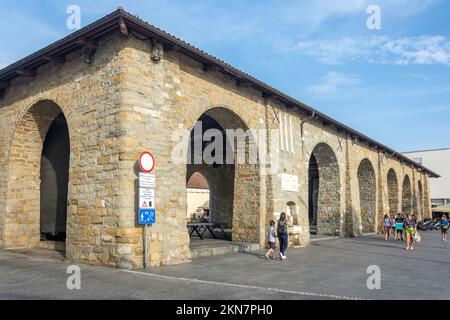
[(392, 184), (38, 176), (367, 195), (407, 196), (420, 201), (221, 149), (198, 197), (324, 192)]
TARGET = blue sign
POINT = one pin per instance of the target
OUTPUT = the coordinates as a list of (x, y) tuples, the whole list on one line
[(147, 216)]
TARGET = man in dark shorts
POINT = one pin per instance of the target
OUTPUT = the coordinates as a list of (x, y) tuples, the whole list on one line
[(399, 227)]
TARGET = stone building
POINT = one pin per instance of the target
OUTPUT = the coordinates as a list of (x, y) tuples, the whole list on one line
[(75, 116)]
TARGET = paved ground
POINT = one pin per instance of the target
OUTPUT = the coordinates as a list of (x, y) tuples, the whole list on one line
[(333, 269)]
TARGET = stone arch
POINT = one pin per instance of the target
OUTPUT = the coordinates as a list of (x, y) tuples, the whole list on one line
[(420, 201), (407, 204), (38, 176), (392, 187), (324, 191), (233, 173), (367, 195)]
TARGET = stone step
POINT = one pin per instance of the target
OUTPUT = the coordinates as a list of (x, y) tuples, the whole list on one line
[(223, 248)]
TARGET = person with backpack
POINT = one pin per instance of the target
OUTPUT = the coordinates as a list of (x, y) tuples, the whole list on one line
[(387, 224), (444, 227), (282, 231), (399, 227)]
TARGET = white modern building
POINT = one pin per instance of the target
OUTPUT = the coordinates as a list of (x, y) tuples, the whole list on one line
[(437, 160)]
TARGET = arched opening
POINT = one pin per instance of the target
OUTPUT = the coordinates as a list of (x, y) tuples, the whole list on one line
[(420, 204), (367, 195), (406, 196), (38, 179), (392, 184), (324, 192), (54, 181), (222, 149), (198, 194)]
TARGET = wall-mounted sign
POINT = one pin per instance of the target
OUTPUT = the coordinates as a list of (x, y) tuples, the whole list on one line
[(147, 180), (147, 216), (146, 198), (147, 162), (289, 182)]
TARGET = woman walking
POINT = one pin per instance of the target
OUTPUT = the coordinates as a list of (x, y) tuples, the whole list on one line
[(387, 224), (410, 229), (444, 227), (282, 231)]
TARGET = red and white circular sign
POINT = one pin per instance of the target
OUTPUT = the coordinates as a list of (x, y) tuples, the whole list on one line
[(147, 162)]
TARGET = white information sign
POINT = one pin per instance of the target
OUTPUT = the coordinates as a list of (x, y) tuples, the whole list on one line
[(147, 185), (289, 182), (146, 198), (147, 180)]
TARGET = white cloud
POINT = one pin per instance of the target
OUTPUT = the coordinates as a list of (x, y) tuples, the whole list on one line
[(332, 82), (379, 49)]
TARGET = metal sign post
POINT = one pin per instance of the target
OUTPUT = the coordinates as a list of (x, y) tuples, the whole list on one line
[(145, 247), (147, 186)]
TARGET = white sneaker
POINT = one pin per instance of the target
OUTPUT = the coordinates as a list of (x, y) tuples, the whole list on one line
[(267, 256), (283, 257)]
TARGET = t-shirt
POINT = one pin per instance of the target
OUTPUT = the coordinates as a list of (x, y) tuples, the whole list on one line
[(399, 223), (444, 224), (272, 234), (410, 223), (387, 222)]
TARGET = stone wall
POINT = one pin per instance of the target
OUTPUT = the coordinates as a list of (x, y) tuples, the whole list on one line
[(124, 103), (88, 96)]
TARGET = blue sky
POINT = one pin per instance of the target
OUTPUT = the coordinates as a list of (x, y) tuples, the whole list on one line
[(392, 84)]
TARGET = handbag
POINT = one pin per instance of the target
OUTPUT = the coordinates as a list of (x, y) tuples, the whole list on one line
[(417, 238)]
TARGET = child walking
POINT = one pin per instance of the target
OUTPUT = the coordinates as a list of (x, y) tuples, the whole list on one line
[(271, 242)]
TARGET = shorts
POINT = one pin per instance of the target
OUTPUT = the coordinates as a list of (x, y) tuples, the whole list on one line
[(444, 231), (271, 245), (409, 230)]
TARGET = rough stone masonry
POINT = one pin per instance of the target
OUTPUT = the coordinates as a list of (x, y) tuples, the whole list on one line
[(123, 86)]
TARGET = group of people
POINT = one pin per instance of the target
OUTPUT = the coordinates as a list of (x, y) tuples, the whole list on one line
[(402, 228), (406, 229)]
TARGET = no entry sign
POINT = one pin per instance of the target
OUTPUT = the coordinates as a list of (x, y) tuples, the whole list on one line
[(147, 162)]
